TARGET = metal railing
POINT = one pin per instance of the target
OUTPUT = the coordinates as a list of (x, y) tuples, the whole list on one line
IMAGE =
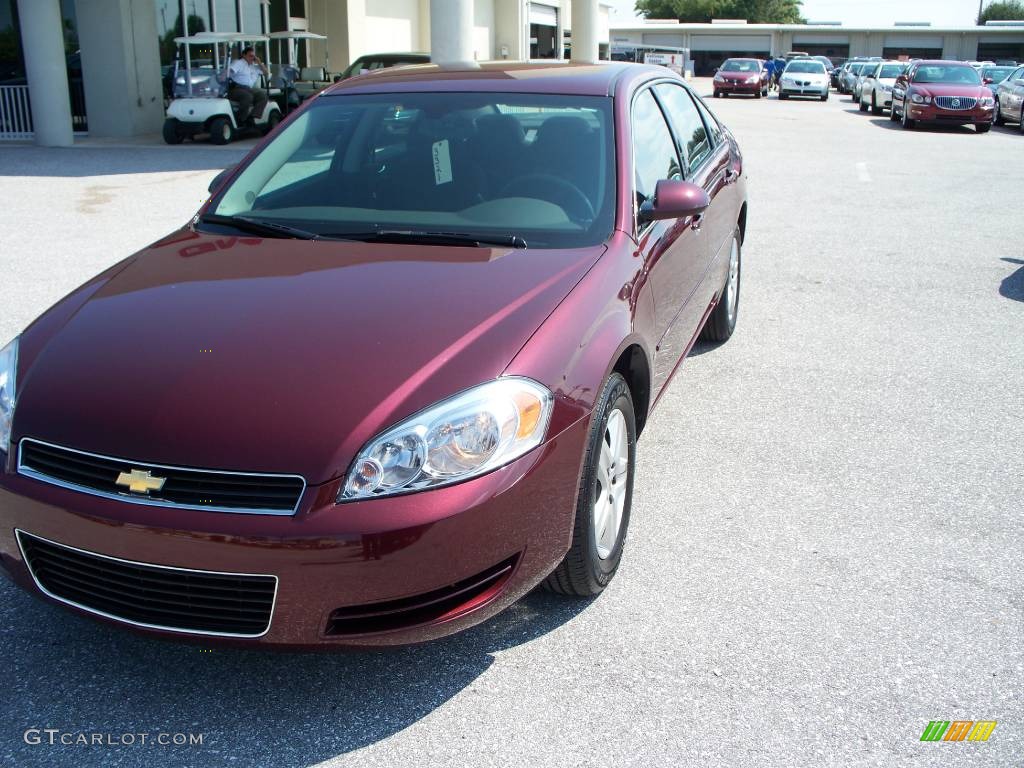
[(15, 112)]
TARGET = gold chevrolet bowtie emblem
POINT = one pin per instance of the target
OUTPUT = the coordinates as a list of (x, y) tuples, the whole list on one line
[(138, 481)]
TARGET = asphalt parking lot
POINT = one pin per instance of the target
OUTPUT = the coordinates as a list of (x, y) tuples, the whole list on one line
[(826, 541)]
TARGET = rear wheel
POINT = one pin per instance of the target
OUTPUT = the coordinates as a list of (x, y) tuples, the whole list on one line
[(172, 131), (272, 120), (892, 112), (722, 322), (221, 131), (605, 496)]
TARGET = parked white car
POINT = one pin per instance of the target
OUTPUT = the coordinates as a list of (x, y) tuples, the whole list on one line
[(876, 89), (804, 77)]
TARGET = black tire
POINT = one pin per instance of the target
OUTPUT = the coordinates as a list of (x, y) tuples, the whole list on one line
[(905, 121), (717, 95), (875, 109), (892, 112), (221, 131), (997, 115), (862, 106), (983, 127), (782, 96), (1020, 123), (172, 131), (824, 97), (758, 94), (583, 572), (272, 120), (722, 323)]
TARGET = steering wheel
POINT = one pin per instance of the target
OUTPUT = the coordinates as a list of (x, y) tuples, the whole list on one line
[(554, 189)]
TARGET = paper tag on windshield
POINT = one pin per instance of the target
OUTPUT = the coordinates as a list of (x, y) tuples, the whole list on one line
[(442, 162)]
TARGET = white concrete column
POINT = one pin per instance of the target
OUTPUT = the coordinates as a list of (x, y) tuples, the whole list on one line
[(42, 40), (120, 66), (451, 32), (585, 25)]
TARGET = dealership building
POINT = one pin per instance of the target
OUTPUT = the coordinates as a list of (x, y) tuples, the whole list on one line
[(96, 66), (710, 44)]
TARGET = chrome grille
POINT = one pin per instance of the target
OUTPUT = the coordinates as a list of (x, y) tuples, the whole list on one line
[(152, 596), (955, 102), (208, 490)]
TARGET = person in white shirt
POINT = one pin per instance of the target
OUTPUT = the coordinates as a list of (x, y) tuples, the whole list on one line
[(245, 73)]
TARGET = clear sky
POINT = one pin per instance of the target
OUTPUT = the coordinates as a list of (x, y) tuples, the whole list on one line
[(862, 12)]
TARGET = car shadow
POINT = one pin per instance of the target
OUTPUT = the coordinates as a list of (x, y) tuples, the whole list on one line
[(1013, 286), (252, 707), (33, 161)]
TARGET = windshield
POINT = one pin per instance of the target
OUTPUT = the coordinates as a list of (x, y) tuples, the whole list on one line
[(954, 74), (808, 67), (891, 71), (996, 74), (537, 167), (741, 65)]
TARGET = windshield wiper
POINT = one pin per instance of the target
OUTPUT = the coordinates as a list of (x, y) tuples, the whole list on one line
[(434, 238), (258, 227)]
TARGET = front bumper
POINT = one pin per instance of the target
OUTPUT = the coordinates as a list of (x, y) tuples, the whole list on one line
[(734, 87), (789, 89), (328, 556), (930, 113)]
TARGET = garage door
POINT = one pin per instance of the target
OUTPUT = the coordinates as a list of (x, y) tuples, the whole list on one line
[(731, 43), (672, 41), (545, 15), (913, 41)]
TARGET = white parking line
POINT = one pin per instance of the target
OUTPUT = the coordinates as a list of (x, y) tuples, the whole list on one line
[(862, 172)]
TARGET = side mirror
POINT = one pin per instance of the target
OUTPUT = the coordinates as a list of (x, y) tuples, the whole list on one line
[(674, 200), (219, 179), (987, 81)]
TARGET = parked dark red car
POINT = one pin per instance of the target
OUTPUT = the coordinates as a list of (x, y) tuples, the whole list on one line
[(391, 376), (947, 92), (741, 76)]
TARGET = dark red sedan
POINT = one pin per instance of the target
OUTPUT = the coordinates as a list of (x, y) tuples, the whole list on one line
[(741, 76), (391, 376), (944, 92)]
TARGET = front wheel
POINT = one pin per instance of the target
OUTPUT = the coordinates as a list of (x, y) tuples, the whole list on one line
[(722, 322), (824, 96), (997, 115), (983, 127), (862, 106), (904, 120), (875, 109), (893, 117), (605, 496), (272, 120), (717, 95), (172, 131)]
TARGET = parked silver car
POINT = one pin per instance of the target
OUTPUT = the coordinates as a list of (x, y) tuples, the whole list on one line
[(804, 77), (1009, 96)]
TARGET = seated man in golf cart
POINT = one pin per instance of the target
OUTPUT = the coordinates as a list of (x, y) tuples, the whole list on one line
[(244, 74)]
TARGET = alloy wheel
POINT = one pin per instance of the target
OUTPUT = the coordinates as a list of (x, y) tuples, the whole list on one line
[(732, 287), (610, 493)]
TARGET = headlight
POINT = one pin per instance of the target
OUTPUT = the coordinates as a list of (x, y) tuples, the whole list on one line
[(8, 370), (719, 79), (988, 101), (753, 78), (787, 79), (462, 437), (917, 98)]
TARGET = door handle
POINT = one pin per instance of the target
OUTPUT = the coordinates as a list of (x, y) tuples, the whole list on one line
[(697, 221), (731, 176)]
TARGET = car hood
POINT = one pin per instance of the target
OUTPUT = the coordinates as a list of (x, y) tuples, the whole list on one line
[(271, 355), (943, 89)]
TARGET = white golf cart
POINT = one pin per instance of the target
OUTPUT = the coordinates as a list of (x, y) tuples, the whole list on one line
[(201, 103), (298, 83)]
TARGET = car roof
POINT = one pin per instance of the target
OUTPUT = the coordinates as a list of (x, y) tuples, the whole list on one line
[(520, 77)]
